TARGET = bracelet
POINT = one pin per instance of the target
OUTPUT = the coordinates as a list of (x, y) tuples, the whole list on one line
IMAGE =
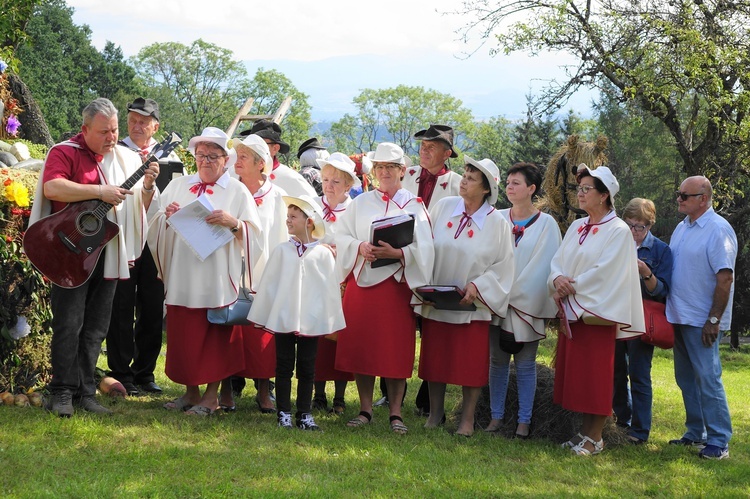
[(148, 190), (648, 276)]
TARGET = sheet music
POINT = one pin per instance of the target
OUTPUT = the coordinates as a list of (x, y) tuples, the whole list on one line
[(202, 237)]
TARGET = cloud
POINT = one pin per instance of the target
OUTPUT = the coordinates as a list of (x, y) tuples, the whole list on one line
[(286, 29)]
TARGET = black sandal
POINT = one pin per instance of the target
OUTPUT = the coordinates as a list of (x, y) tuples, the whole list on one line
[(358, 421), (397, 425)]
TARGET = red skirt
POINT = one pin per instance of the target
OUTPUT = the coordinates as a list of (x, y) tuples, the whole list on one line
[(260, 353), (380, 334), (199, 352), (457, 354), (325, 361), (585, 369)]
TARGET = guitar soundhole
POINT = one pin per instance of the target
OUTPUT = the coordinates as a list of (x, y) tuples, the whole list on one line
[(88, 224)]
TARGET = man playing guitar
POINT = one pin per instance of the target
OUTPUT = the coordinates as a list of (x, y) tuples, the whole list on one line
[(91, 166)]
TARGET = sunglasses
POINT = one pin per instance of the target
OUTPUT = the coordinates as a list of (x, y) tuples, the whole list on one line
[(684, 195)]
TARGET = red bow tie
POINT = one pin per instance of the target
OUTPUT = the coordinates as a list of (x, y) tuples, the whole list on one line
[(199, 189)]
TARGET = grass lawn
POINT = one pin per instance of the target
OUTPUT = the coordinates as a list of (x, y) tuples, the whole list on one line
[(146, 451)]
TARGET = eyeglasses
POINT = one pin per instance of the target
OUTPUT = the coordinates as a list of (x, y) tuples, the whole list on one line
[(637, 227), (585, 188), (386, 166), (684, 195), (211, 158)]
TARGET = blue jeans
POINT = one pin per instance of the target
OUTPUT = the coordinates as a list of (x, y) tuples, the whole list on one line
[(632, 404), (697, 370), (500, 374), (80, 319)]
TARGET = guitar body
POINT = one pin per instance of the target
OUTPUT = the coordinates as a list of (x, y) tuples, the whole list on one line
[(66, 246)]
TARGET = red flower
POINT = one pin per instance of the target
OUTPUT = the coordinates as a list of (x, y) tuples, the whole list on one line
[(450, 224), (596, 229), (444, 185), (27, 213), (16, 211), (412, 172), (471, 233), (7, 182), (8, 239)]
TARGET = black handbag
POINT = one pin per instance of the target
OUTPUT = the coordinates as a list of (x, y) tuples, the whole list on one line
[(236, 313)]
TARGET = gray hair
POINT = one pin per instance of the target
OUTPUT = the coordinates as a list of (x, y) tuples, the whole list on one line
[(98, 106), (308, 157)]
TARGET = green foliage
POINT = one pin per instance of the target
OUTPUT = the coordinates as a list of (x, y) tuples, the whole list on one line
[(15, 16), (64, 71), (196, 86), (269, 88), (395, 114)]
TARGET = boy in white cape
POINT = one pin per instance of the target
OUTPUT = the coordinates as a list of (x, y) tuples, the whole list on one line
[(298, 300)]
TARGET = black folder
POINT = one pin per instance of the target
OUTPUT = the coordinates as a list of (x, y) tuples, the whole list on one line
[(397, 231), (445, 297)]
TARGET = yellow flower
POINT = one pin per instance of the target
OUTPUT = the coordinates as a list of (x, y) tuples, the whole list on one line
[(17, 193)]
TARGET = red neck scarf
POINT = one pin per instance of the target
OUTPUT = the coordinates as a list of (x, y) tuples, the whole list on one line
[(427, 182)]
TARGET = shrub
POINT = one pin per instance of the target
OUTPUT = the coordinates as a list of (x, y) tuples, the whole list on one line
[(25, 318)]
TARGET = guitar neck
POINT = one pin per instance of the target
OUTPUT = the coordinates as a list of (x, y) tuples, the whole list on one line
[(162, 149)]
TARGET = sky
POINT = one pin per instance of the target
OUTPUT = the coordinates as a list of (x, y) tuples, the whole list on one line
[(333, 49)]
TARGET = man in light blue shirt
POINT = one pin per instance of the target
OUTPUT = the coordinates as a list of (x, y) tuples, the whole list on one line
[(704, 247)]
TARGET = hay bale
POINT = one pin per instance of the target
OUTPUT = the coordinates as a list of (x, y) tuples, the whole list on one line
[(559, 182), (549, 421)]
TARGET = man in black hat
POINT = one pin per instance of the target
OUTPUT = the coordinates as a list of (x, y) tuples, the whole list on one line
[(432, 180), (133, 348), (310, 151), (282, 176)]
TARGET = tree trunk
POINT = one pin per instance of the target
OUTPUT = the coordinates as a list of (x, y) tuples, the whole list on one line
[(33, 126)]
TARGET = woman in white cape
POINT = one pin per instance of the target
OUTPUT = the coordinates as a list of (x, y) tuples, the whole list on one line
[(380, 337), (594, 281), (536, 237)]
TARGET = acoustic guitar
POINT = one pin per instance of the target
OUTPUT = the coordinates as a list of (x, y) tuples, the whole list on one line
[(66, 245)]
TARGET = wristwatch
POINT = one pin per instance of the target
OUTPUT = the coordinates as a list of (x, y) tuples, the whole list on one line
[(236, 227), (713, 320)]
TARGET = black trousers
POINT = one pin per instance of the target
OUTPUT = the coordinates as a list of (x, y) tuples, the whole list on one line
[(133, 347), (306, 350), (79, 325)]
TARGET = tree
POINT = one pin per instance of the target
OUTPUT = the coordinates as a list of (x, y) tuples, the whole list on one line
[(64, 70), (269, 88), (685, 62), (395, 114), (493, 139), (196, 86)]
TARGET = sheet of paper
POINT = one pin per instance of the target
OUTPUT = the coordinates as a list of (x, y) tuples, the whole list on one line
[(190, 224)]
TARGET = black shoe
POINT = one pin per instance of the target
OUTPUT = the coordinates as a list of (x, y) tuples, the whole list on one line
[(688, 443), (320, 404), (131, 389), (60, 404), (150, 387), (89, 404), (306, 422)]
